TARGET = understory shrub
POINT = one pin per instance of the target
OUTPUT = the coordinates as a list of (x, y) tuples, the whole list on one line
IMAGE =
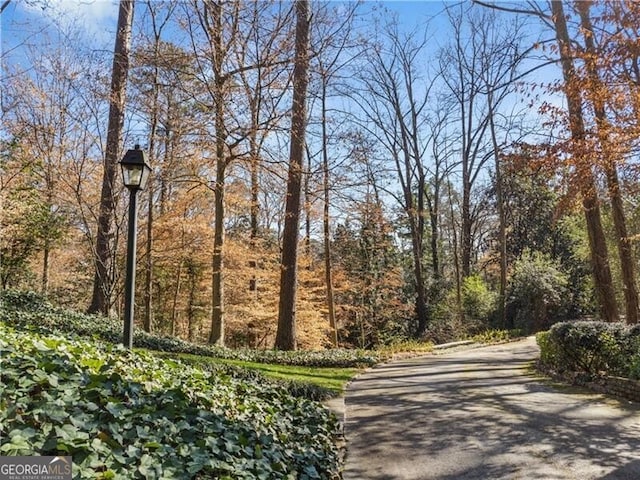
[(537, 293), (496, 336), (478, 301), (447, 323), (591, 348)]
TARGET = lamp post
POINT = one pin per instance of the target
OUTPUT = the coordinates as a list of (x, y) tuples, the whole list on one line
[(135, 173)]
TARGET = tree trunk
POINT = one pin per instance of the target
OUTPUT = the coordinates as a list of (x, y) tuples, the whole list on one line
[(307, 214), (255, 182), (103, 278), (326, 222), (255, 202), (456, 256), (191, 309), (148, 280), (502, 223), (176, 295), (613, 185), (625, 249), (216, 335), (46, 253), (587, 185), (421, 296), (422, 313), (435, 235), (416, 230), (465, 235), (286, 333)]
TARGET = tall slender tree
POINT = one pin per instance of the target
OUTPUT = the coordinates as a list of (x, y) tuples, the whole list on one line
[(333, 51), (286, 333), (597, 93), (159, 18), (104, 248), (584, 173), (478, 69)]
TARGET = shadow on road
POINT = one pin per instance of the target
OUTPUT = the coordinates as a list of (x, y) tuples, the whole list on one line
[(484, 418), (626, 472)]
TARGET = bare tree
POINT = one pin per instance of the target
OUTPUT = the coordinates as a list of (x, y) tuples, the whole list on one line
[(477, 69), (46, 116), (150, 84), (265, 88), (501, 57), (393, 99), (43, 4)]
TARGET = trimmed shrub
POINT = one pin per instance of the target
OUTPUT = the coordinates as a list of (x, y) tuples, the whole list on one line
[(591, 348), (549, 351), (634, 347)]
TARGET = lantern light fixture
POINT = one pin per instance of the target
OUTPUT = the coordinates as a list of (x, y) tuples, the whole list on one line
[(135, 169)]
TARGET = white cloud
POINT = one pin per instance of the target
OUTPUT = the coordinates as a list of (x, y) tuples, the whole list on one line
[(97, 17), (90, 10)]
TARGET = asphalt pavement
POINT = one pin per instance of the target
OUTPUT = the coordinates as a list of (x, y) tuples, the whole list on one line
[(483, 413)]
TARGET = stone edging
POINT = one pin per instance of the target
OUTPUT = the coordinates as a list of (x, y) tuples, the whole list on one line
[(617, 386)]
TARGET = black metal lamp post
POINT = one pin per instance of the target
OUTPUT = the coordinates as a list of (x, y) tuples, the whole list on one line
[(135, 173)]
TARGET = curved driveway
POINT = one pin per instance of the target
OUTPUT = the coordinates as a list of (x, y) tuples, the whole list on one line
[(482, 414)]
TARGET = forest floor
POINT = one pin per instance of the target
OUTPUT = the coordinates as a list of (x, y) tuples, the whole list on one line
[(483, 413)]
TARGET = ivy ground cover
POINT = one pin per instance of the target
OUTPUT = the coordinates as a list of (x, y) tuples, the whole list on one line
[(31, 311), (122, 414)]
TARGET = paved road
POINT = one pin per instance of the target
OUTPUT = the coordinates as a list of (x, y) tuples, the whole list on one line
[(482, 414)]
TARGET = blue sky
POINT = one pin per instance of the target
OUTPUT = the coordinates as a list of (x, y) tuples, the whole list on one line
[(99, 17), (25, 19)]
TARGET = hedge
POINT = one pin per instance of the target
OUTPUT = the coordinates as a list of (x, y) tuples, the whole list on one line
[(591, 348)]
